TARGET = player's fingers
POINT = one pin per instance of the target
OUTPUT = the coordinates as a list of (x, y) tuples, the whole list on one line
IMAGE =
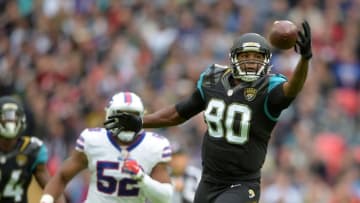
[(122, 116), (114, 116), (117, 119), (307, 30), (296, 47), (301, 37), (110, 125), (109, 121), (113, 123)]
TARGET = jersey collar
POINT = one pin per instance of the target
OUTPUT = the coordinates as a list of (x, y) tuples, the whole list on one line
[(134, 144)]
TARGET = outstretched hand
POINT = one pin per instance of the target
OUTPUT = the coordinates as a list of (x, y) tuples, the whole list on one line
[(303, 43), (124, 121)]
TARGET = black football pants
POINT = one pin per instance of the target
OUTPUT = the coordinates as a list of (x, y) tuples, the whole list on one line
[(244, 192)]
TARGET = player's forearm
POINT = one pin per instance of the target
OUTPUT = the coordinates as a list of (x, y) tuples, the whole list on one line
[(54, 189), (156, 191), (298, 78), (163, 118)]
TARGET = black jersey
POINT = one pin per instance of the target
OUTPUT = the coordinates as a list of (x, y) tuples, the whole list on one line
[(17, 167), (240, 119)]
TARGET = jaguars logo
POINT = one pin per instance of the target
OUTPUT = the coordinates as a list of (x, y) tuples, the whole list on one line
[(21, 159), (250, 93), (251, 193)]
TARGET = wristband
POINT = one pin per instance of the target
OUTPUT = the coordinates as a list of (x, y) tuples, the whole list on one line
[(46, 198)]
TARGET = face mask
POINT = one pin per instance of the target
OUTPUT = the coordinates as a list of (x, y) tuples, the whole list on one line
[(126, 136), (9, 130)]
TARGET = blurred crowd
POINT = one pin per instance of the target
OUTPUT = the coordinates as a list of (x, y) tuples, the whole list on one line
[(65, 58)]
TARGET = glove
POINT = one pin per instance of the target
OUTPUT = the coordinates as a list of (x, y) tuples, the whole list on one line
[(303, 43), (132, 168), (124, 121)]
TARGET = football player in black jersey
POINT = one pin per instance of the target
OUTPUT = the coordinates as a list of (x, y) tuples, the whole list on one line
[(20, 156), (241, 105)]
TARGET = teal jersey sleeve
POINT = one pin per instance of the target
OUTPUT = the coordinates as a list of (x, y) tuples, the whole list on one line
[(211, 74), (274, 81), (199, 84), (201, 79), (41, 158)]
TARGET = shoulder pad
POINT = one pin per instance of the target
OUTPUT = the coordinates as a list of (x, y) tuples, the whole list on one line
[(276, 79), (92, 131), (278, 76), (36, 141), (212, 74), (30, 144), (90, 135), (282, 76), (162, 147), (156, 135), (214, 69)]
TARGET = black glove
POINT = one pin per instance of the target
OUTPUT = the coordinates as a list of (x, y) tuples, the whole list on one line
[(303, 43), (124, 121)]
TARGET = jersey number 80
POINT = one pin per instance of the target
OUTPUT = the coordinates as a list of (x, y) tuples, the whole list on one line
[(220, 120)]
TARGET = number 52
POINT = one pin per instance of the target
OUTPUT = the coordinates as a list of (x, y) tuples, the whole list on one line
[(108, 184)]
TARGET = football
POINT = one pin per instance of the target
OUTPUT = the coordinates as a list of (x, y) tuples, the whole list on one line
[(283, 34)]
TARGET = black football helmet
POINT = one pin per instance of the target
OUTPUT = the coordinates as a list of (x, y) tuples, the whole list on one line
[(250, 42), (12, 120)]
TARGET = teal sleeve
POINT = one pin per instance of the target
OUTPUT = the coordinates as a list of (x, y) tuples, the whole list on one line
[(199, 83), (201, 79), (274, 81), (42, 157)]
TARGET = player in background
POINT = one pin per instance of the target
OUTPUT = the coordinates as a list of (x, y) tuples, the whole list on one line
[(184, 176), (241, 105), (21, 157), (127, 164)]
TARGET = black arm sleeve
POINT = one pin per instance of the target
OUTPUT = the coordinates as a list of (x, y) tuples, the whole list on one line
[(191, 106), (277, 100)]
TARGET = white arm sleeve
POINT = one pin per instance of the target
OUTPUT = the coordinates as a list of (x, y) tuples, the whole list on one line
[(156, 191)]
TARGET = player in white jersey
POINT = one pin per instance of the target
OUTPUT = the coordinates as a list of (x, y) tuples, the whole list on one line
[(127, 164)]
